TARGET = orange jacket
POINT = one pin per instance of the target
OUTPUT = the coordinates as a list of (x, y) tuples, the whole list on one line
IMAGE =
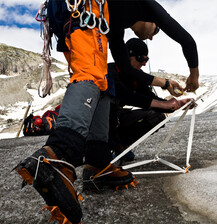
[(88, 49)]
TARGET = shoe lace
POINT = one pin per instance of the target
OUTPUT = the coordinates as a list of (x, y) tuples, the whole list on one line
[(49, 161)]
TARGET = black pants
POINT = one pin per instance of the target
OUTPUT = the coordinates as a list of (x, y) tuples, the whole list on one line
[(127, 126)]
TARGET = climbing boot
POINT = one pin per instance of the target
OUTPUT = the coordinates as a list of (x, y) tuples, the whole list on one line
[(53, 179), (94, 179)]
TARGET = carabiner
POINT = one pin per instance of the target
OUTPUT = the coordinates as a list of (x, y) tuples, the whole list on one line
[(40, 13), (75, 14), (74, 7), (103, 26), (84, 18), (91, 19)]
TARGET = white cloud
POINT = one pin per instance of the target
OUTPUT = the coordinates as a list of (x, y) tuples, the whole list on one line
[(23, 19), (27, 39), (3, 12), (15, 16), (27, 3)]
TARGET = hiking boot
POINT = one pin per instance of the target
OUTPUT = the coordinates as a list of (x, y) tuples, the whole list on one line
[(114, 176), (53, 179)]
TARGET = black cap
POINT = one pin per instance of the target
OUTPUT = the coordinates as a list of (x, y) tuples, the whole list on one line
[(136, 47)]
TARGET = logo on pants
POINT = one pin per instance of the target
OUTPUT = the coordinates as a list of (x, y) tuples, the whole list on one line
[(88, 102)]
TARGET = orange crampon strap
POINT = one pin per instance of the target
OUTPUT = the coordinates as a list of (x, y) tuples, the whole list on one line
[(102, 171), (186, 170)]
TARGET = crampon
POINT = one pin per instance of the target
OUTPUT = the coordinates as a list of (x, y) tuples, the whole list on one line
[(133, 184), (53, 179), (94, 179), (57, 215)]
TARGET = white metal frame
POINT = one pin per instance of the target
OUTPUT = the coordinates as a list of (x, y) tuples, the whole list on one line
[(175, 168)]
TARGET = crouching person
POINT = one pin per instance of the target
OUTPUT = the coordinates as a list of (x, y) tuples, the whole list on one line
[(126, 125)]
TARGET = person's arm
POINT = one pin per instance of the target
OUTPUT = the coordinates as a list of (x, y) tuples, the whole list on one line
[(172, 104), (161, 82), (175, 31)]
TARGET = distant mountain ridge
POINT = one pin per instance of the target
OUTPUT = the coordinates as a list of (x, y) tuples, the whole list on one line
[(16, 61), (20, 70)]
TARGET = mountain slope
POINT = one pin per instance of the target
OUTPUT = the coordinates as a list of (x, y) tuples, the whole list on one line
[(20, 70)]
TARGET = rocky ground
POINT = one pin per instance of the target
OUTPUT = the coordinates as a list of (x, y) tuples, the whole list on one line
[(156, 199)]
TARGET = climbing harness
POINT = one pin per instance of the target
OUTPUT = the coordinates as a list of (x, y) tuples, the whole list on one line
[(175, 168)]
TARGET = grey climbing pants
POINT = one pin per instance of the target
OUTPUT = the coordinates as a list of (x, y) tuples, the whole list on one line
[(85, 111)]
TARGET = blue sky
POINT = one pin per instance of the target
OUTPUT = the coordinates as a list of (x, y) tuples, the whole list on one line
[(19, 13), (19, 28), (20, 16)]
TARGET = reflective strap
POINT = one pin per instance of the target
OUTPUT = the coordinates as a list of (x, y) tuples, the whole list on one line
[(190, 137), (156, 172), (138, 164)]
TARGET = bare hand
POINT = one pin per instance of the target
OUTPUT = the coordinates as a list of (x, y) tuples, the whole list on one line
[(172, 86), (174, 104), (192, 82)]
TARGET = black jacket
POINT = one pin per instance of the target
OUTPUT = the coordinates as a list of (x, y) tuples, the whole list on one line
[(134, 94), (125, 13)]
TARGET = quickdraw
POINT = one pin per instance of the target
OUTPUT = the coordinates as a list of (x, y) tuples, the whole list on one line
[(87, 18)]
